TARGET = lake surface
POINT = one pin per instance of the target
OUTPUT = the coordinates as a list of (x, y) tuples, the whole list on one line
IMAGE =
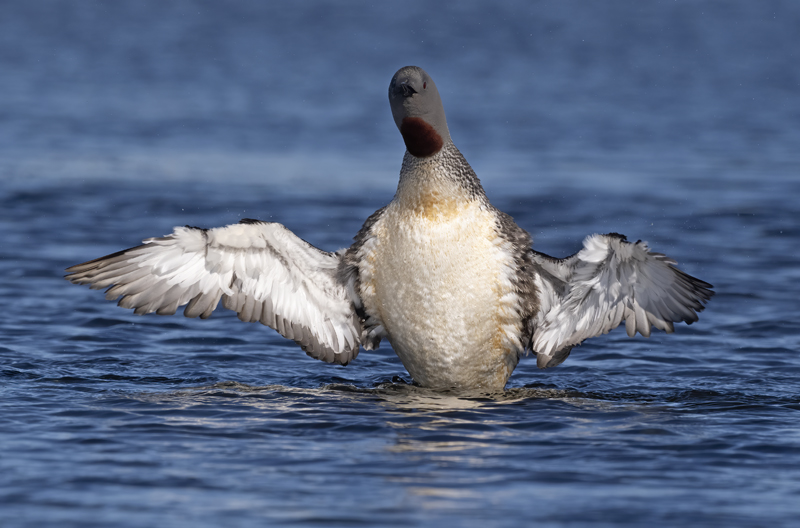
[(673, 122)]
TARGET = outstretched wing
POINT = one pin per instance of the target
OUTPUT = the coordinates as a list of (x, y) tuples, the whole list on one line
[(261, 270), (609, 281)]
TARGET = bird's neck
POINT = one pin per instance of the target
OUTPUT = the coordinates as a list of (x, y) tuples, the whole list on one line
[(438, 185)]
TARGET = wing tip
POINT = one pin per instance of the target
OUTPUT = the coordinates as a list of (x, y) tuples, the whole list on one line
[(544, 361), (328, 355), (94, 264)]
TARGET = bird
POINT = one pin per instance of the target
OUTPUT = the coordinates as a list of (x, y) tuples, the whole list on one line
[(450, 281)]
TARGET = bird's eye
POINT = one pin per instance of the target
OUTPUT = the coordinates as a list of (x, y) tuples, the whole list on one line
[(424, 85)]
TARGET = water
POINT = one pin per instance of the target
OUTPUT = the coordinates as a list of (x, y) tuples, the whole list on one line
[(674, 122)]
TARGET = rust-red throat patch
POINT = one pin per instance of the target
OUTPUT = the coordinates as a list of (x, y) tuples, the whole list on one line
[(421, 139)]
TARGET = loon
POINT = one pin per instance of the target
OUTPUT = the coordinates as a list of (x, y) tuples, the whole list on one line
[(450, 281)]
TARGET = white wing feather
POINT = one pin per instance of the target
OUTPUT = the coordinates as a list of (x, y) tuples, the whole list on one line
[(609, 281), (260, 270)]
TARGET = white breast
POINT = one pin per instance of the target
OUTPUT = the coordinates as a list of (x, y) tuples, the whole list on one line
[(438, 277)]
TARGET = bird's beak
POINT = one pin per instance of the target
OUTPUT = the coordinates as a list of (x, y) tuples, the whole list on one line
[(407, 89)]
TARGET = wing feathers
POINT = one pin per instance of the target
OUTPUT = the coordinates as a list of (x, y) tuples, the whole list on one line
[(610, 281), (260, 270)]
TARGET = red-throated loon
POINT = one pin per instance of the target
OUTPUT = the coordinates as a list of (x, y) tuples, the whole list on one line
[(449, 280)]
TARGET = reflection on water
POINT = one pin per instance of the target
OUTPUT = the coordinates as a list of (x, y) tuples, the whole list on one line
[(417, 420)]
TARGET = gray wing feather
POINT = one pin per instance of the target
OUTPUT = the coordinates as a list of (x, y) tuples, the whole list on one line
[(260, 270), (609, 281)]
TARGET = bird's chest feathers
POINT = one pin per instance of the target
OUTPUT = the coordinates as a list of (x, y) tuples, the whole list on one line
[(434, 236), (439, 277)]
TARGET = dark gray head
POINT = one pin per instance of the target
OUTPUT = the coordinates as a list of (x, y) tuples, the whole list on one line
[(418, 111)]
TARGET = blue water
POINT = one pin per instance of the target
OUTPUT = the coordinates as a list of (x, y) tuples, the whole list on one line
[(675, 122)]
